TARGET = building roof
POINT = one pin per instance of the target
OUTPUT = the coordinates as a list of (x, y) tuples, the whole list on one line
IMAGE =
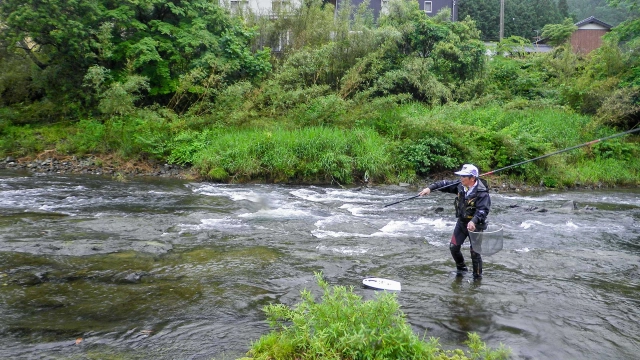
[(587, 21), (538, 48), (592, 20)]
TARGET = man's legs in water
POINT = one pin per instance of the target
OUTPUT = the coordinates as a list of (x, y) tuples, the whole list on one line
[(460, 233)]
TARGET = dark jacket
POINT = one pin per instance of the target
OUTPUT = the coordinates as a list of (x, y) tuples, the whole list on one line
[(474, 207)]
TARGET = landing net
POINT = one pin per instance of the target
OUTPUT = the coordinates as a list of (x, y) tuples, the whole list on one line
[(487, 242)]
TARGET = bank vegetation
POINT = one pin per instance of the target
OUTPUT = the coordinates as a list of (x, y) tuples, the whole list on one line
[(312, 95)]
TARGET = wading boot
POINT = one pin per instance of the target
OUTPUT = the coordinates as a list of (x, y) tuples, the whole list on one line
[(461, 269), (476, 261)]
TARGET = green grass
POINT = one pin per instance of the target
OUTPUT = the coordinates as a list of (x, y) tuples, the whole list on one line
[(603, 171), (556, 125), (383, 140), (312, 154)]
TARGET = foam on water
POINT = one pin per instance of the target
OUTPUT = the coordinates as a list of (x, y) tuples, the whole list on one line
[(321, 234), (347, 196), (439, 223), (280, 213), (571, 225), (525, 198), (395, 227), (233, 193), (334, 219), (309, 195), (226, 223), (437, 243), (530, 223), (358, 210), (344, 250)]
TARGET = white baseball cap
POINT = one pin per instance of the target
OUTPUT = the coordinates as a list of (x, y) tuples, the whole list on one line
[(468, 170)]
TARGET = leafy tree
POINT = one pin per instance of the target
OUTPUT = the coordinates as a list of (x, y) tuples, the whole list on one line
[(559, 33), (521, 17), (512, 46), (633, 4), (409, 53), (486, 13), (55, 37), (161, 40)]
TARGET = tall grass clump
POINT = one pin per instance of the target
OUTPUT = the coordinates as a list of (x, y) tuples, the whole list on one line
[(310, 154), (554, 125), (343, 326)]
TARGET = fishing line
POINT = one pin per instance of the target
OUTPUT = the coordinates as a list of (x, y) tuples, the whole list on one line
[(530, 160)]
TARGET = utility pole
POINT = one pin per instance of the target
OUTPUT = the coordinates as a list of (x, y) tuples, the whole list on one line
[(501, 19), (453, 11)]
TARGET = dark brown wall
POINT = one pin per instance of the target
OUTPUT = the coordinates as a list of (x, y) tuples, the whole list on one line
[(584, 41)]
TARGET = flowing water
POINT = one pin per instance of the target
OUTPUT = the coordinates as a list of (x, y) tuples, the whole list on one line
[(168, 269)]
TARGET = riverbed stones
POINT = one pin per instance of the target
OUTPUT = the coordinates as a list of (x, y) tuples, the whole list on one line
[(94, 166)]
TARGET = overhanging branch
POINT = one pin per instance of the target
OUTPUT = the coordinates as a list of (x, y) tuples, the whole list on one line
[(29, 50)]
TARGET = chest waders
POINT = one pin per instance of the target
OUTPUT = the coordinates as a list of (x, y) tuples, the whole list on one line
[(465, 211)]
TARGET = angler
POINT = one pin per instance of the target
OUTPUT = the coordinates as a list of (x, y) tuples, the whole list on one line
[(472, 208)]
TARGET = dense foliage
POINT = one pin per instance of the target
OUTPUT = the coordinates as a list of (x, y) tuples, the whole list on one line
[(88, 51), (612, 12), (521, 17), (342, 98), (343, 326), (526, 18)]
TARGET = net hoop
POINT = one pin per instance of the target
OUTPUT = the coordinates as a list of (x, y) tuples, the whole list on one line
[(487, 242)]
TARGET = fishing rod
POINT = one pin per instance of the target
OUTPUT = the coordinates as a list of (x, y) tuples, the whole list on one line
[(530, 160)]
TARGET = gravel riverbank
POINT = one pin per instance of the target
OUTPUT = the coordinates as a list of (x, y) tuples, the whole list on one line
[(108, 166)]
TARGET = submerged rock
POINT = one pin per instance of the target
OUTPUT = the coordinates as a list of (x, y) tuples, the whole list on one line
[(569, 206), (130, 278), (29, 279)]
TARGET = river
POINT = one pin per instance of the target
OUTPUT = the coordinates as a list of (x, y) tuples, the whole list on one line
[(170, 269)]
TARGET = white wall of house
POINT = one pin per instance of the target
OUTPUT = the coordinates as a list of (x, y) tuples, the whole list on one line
[(592, 26)]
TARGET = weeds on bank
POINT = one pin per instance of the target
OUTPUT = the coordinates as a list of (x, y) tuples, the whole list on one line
[(312, 154), (343, 326), (381, 140)]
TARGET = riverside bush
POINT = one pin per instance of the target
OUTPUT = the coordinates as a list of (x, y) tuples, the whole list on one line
[(429, 154), (343, 326)]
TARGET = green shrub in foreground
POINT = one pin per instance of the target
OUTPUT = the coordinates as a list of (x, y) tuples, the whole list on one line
[(343, 326)]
